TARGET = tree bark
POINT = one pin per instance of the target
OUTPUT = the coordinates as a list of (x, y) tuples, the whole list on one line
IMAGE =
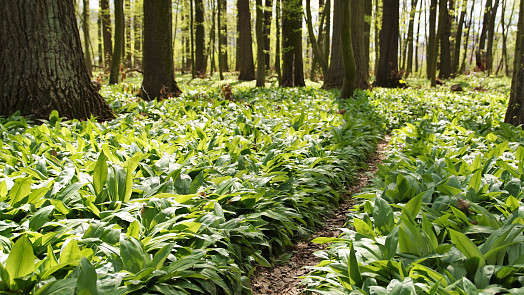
[(432, 44), (335, 74), (128, 39), (445, 33), (278, 41), (106, 32), (43, 67), (411, 29), (159, 76), (222, 37), (491, 34), (318, 54), (137, 40), (515, 111), (460, 25), (368, 11), (350, 71), (292, 67), (359, 58), (192, 38), (387, 72), (261, 57), (466, 42), (200, 58), (85, 29), (267, 32), (245, 61), (480, 54), (119, 37)]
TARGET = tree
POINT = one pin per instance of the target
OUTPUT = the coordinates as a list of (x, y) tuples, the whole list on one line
[(360, 49), (515, 111), (106, 32), (431, 58), (387, 72), (292, 66), (348, 86), (335, 74), (444, 35), (491, 34), (87, 41), (278, 41), (200, 58), (267, 31), (460, 25), (318, 54), (245, 58), (411, 29), (43, 67), (159, 76), (222, 37), (261, 58), (119, 38)]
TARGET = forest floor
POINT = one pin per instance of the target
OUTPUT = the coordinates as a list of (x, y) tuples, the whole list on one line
[(285, 278)]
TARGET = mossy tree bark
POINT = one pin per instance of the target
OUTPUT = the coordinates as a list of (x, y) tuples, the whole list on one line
[(515, 111), (245, 58), (159, 76), (43, 67), (387, 71), (348, 86)]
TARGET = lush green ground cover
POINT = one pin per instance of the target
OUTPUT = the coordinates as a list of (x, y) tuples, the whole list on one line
[(173, 197), (445, 215)]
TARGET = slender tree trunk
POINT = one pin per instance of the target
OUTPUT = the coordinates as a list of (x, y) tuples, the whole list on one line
[(327, 31), (100, 40), (445, 32), (335, 74), (466, 42), (377, 33), (222, 37), (268, 12), (460, 25), (159, 76), (200, 59), (43, 67), (192, 38), (368, 11), (417, 37), (129, 32), (350, 71), (106, 32), (212, 37), (480, 54), (298, 75), (359, 59), (137, 40), (292, 68), (387, 73), (318, 54), (432, 43), (119, 36), (409, 66), (515, 111), (246, 63), (261, 57), (85, 29), (491, 34), (278, 41)]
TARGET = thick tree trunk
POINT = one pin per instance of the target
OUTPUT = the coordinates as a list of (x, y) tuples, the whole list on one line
[(431, 58), (159, 76), (119, 37), (43, 67), (267, 32), (335, 74), (411, 29), (292, 67), (261, 57), (200, 58), (245, 61), (387, 72), (87, 41), (360, 49), (350, 70), (222, 36), (377, 33), (106, 32), (445, 46), (515, 112)]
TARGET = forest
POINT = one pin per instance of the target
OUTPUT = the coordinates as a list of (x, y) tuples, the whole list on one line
[(262, 147)]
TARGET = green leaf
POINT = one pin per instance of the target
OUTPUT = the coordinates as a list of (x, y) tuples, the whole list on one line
[(134, 230), (86, 282), (354, 270), (183, 184), (133, 254), (466, 246), (161, 256), (196, 183), (70, 253), (40, 217), (21, 259), (363, 228), (100, 173), (383, 216), (19, 191), (475, 181), (413, 206)]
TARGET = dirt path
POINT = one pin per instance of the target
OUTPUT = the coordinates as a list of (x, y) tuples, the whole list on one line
[(284, 279)]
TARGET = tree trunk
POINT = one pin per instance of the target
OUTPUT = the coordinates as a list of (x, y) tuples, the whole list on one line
[(278, 41), (515, 111), (335, 74), (246, 63), (261, 57), (480, 54), (411, 29), (460, 25), (119, 37), (212, 37), (466, 42), (192, 38), (137, 30), (100, 40), (491, 34), (318, 54), (222, 37), (359, 59), (377, 33), (43, 67), (200, 59), (387, 72), (368, 11), (417, 37), (159, 76), (350, 71), (292, 68), (327, 30), (106, 32), (267, 32), (128, 41), (432, 43), (445, 33), (85, 29)]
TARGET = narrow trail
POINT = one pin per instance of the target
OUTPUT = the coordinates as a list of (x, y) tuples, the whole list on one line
[(284, 279)]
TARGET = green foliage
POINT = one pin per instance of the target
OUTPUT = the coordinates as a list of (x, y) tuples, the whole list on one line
[(445, 214), (182, 196)]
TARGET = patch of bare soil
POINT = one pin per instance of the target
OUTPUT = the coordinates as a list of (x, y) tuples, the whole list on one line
[(284, 279)]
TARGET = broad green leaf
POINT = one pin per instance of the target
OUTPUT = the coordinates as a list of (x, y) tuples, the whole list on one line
[(363, 228), (86, 282), (475, 180), (383, 216), (466, 246), (413, 206), (21, 259), (134, 230), (133, 254), (70, 253), (161, 256), (100, 173), (19, 191), (354, 270), (196, 183), (40, 217)]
